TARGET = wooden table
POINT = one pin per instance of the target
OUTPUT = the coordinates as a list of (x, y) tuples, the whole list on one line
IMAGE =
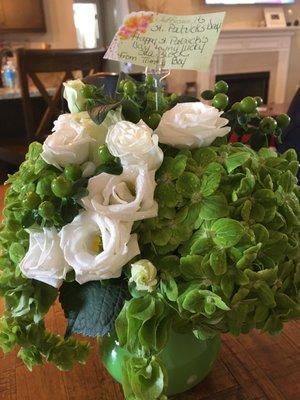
[(250, 367)]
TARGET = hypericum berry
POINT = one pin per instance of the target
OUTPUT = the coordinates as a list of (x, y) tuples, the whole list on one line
[(72, 172), (207, 95), (248, 105), (283, 120), (268, 125), (129, 88), (104, 154), (153, 120), (43, 186), (61, 187), (221, 87), (46, 209), (236, 106), (173, 96), (258, 100), (150, 81), (220, 101), (31, 201), (121, 85)]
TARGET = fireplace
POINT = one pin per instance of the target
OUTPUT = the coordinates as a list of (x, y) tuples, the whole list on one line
[(247, 84), (252, 50)]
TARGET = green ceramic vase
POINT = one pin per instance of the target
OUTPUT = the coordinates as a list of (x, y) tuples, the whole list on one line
[(187, 359)]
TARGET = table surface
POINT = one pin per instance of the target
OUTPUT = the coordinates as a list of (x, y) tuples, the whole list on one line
[(15, 93), (251, 367)]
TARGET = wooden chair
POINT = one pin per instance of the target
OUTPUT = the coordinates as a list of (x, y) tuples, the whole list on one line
[(30, 63)]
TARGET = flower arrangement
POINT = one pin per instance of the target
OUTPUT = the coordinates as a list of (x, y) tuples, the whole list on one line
[(142, 218)]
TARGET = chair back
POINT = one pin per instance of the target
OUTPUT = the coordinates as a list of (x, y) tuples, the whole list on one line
[(31, 62)]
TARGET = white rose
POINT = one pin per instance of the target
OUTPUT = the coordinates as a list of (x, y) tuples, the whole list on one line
[(69, 143), (72, 93), (127, 197), (44, 260), (97, 247), (191, 125), (144, 273), (134, 144)]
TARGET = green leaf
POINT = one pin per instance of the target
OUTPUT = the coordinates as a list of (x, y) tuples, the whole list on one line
[(143, 379), (91, 308), (236, 160), (227, 232), (190, 267), (201, 245), (241, 294), (246, 210), (213, 207), (265, 196), (257, 212), (178, 166), (204, 156), (45, 296), (16, 252), (287, 181), (218, 261), (261, 313), (265, 294), (34, 151), (187, 184), (227, 285), (261, 233), (166, 194), (210, 183), (30, 356), (169, 287)]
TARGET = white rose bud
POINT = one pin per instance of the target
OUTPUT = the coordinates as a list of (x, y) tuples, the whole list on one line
[(191, 125), (143, 274), (134, 144), (72, 93), (44, 260)]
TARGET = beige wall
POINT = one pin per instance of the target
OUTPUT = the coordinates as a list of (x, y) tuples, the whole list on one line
[(236, 16), (60, 28)]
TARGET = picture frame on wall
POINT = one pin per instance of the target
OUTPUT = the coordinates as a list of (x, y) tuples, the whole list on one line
[(274, 17)]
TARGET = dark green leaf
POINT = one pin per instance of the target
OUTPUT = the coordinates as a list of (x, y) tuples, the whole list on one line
[(91, 308), (99, 112)]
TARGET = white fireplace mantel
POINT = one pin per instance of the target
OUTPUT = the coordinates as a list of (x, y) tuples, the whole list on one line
[(256, 42)]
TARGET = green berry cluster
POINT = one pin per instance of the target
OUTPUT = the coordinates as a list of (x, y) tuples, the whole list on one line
[(138, 100), (244, 117), (31, 200), (145, 100)]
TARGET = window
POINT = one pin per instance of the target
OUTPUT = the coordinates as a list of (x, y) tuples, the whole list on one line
[(86, 24)]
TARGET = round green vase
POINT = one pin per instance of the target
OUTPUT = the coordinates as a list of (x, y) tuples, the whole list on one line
[(187, 359)]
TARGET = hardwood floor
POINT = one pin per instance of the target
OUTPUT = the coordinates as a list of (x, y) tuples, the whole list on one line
[(250, 367)]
